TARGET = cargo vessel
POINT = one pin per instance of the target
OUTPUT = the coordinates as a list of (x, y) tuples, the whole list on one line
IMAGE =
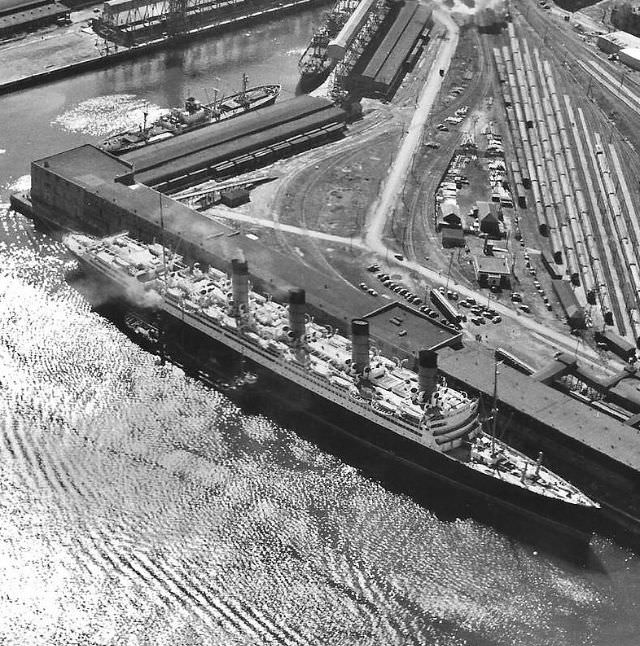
[(314, 65), (413, 415), (194, 115)]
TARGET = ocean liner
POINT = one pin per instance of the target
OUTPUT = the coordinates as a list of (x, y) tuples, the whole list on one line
[(194, 115), (415, 416)]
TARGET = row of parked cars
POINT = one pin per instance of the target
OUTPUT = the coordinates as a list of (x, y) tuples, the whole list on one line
[(403, 291), (480, 314)]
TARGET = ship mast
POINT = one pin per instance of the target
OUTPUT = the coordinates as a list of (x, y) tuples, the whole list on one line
[(243, 95), (494, 409), (161, 346)]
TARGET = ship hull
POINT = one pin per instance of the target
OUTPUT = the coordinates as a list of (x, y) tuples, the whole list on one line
[(483, 496), (309, 81), (269, 98)]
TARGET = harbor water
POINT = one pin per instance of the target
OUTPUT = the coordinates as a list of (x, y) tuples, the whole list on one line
[(140, 506)]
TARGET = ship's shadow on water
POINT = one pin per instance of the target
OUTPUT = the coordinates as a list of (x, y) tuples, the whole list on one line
[(225, 370)]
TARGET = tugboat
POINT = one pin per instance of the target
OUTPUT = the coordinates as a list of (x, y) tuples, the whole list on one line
[(194, 115)]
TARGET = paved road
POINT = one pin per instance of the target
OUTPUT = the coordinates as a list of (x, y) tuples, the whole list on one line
[(383, 206), (287, 228), (382, 209)]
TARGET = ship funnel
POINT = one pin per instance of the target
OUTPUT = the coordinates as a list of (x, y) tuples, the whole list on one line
[(360, 345), (296, 314), (240, 286), (427, 372)]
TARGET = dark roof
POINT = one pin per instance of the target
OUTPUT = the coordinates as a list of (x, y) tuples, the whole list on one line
[(491, 218), (243, 144), (572, 308), (50, 10), (11, 6), (551, 408), (217, 134), (86, 165), (404, 45), (422, 332), (452, 234), (390, 39)]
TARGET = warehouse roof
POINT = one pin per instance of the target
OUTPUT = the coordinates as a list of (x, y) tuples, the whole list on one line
[(29, 15), (404, 45), (491, 264), (390, 39), (408, 329), (243, 144), (11, 6), (550, 407), (87, 165), (189, 143), (621, 39)]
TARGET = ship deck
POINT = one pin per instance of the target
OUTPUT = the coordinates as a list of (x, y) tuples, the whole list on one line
[(549, 410)]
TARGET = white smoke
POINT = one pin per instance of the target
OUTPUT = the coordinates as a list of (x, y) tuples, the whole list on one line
[(495, 5), (138, 295)]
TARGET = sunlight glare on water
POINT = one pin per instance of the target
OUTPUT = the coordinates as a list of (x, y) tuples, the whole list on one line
[(106, 115), (138, 501)]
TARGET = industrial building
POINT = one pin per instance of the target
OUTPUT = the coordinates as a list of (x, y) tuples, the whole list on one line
[(630, 56), (17, 16), (492, 271), (614, 41), (130, 22), (453, 238), (242, 143), (337, 47), (399, 329), (618, 345), (393, 52), (574, 312)]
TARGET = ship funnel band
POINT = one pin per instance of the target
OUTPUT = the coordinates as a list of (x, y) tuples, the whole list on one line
[(296, 296), (359, 327)]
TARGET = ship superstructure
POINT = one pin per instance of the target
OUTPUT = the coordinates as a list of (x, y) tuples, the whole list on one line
[(435, 424), (194, 115), (314, 64)]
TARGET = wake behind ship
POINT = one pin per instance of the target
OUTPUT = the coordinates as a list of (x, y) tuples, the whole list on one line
[(415, 416)]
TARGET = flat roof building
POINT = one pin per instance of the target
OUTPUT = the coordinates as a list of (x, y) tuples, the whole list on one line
[(492, 271), (453, 238), (574, 312), (16, 17), (400, 329), (614, 41)]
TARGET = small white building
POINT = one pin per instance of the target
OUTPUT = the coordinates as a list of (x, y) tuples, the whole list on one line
[(630, 56), (614, 41)]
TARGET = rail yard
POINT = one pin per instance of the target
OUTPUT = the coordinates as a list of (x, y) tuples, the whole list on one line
[(477, 165)]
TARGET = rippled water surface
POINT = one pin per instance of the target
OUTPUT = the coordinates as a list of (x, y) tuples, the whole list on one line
[(138, 506)]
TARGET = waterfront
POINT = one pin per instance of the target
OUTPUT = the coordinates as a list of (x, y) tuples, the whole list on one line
[(139, 506)]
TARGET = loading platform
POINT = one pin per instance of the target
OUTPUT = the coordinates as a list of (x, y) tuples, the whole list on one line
[(226, 148)]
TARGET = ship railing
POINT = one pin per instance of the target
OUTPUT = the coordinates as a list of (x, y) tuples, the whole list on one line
[(305, 374)]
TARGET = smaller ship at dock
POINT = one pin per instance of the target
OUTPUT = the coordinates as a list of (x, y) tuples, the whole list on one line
[(194, 115), (314, 65), (412, 415)]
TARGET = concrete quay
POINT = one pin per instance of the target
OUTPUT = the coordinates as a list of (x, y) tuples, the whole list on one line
[(41, 58), (594, 451)]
